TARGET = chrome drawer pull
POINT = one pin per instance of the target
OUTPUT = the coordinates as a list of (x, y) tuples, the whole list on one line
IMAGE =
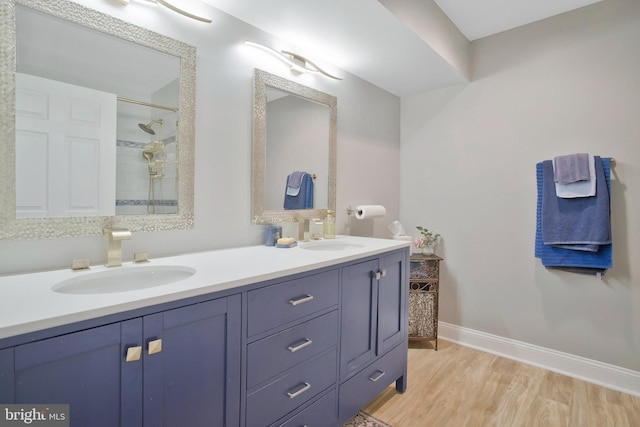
[(377, 377), (306, 387), (301, 300), (307, 342)]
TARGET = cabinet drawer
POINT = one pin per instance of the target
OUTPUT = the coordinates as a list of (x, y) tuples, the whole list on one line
[(320, 414), (371, 381), (297, 386), (270, 356), (285, 302)]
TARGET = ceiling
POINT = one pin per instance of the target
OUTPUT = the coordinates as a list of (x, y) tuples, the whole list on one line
[(365, 39)]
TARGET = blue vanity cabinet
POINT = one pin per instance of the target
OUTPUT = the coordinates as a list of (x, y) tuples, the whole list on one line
[(172, 368), (292, 351), (311, 349), (374, 324)]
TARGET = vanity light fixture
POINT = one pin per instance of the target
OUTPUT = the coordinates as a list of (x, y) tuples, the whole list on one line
[(298, 63), (174, 8)]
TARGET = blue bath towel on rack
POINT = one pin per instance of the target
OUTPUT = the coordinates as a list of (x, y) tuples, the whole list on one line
[(581, 224), (580, 261), (302, 199)]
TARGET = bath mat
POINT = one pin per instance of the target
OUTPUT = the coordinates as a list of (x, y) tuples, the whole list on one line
[(362, 419)]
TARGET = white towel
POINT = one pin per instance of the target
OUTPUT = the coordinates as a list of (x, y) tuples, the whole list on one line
[(579, 188)]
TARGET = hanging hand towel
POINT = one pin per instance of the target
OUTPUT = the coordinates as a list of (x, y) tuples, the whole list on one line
[(571, 168), (579, 188), (294, 182), (303, 198)]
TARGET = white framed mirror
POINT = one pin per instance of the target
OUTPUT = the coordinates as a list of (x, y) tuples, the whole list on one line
[(294, 130), (70, 182)]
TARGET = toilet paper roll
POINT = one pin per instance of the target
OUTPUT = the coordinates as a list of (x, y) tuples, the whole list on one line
[(370, 211)]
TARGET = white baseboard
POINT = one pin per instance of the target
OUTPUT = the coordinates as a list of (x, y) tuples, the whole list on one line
[(604, 374)]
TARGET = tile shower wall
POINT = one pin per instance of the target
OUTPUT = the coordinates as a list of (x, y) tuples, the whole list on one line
[(133, 191), (132, 182)]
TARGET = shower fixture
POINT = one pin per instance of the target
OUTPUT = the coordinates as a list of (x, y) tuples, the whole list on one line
[(154, 154), (147, 128)]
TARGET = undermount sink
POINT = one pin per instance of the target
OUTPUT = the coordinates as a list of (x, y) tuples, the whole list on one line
[(329, 245), (122, 279)]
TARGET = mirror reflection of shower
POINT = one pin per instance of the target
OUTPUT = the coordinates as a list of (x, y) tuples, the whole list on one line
[(153, 152), (147, 159)]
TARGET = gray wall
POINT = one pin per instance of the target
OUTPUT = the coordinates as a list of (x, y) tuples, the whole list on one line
[(368, 142), (559, 86)]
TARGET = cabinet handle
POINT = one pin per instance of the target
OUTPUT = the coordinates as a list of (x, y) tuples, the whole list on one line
[(295, 394), (384, 272), (134, 353), (375, 378), (301, 300), (155, 346), (378, 275), (381, 273), (307, 342)]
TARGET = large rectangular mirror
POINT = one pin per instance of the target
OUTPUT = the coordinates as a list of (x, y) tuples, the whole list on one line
[(97, 123), (294, 137)]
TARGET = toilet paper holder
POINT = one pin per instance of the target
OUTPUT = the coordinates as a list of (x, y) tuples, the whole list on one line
[(362, 211)]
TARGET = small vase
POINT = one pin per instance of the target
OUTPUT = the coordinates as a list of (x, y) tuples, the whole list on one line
[(428, 250)]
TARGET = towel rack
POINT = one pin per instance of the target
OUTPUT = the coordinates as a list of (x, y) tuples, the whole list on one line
[(612, 160)]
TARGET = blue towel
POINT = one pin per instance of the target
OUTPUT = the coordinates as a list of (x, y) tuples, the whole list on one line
[(567, 259), (579, 223), (304, 198)]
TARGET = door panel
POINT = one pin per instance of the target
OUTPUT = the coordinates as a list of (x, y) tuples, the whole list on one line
[(80, 369), (186, 384), (359, 316), (392, 319)]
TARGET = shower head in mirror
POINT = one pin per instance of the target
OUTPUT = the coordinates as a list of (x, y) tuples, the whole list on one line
[(148, 127)]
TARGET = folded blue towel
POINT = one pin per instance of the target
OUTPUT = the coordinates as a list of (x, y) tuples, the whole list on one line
[(303, 198), (580, 223), (567, 259), (571, 168)]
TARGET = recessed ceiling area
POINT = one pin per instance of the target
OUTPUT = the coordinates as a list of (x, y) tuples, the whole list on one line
[(481, 18), (364, 38)]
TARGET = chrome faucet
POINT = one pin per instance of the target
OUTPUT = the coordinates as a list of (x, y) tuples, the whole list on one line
[(114, 247)]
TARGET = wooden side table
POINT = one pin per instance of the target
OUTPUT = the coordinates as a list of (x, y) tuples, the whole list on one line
[(424, 277)]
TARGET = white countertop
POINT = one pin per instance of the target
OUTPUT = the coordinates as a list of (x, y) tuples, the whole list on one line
[(28, 304)]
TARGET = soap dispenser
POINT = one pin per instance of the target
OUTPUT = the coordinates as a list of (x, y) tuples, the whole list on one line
[(330, 225)]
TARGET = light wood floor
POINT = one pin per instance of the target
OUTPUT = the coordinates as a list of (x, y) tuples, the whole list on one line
[(457, 386)]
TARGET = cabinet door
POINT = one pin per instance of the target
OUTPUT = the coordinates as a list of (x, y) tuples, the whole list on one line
[(359, 316), (82, 369), (6, 375), (392, 302), (193, 378)]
